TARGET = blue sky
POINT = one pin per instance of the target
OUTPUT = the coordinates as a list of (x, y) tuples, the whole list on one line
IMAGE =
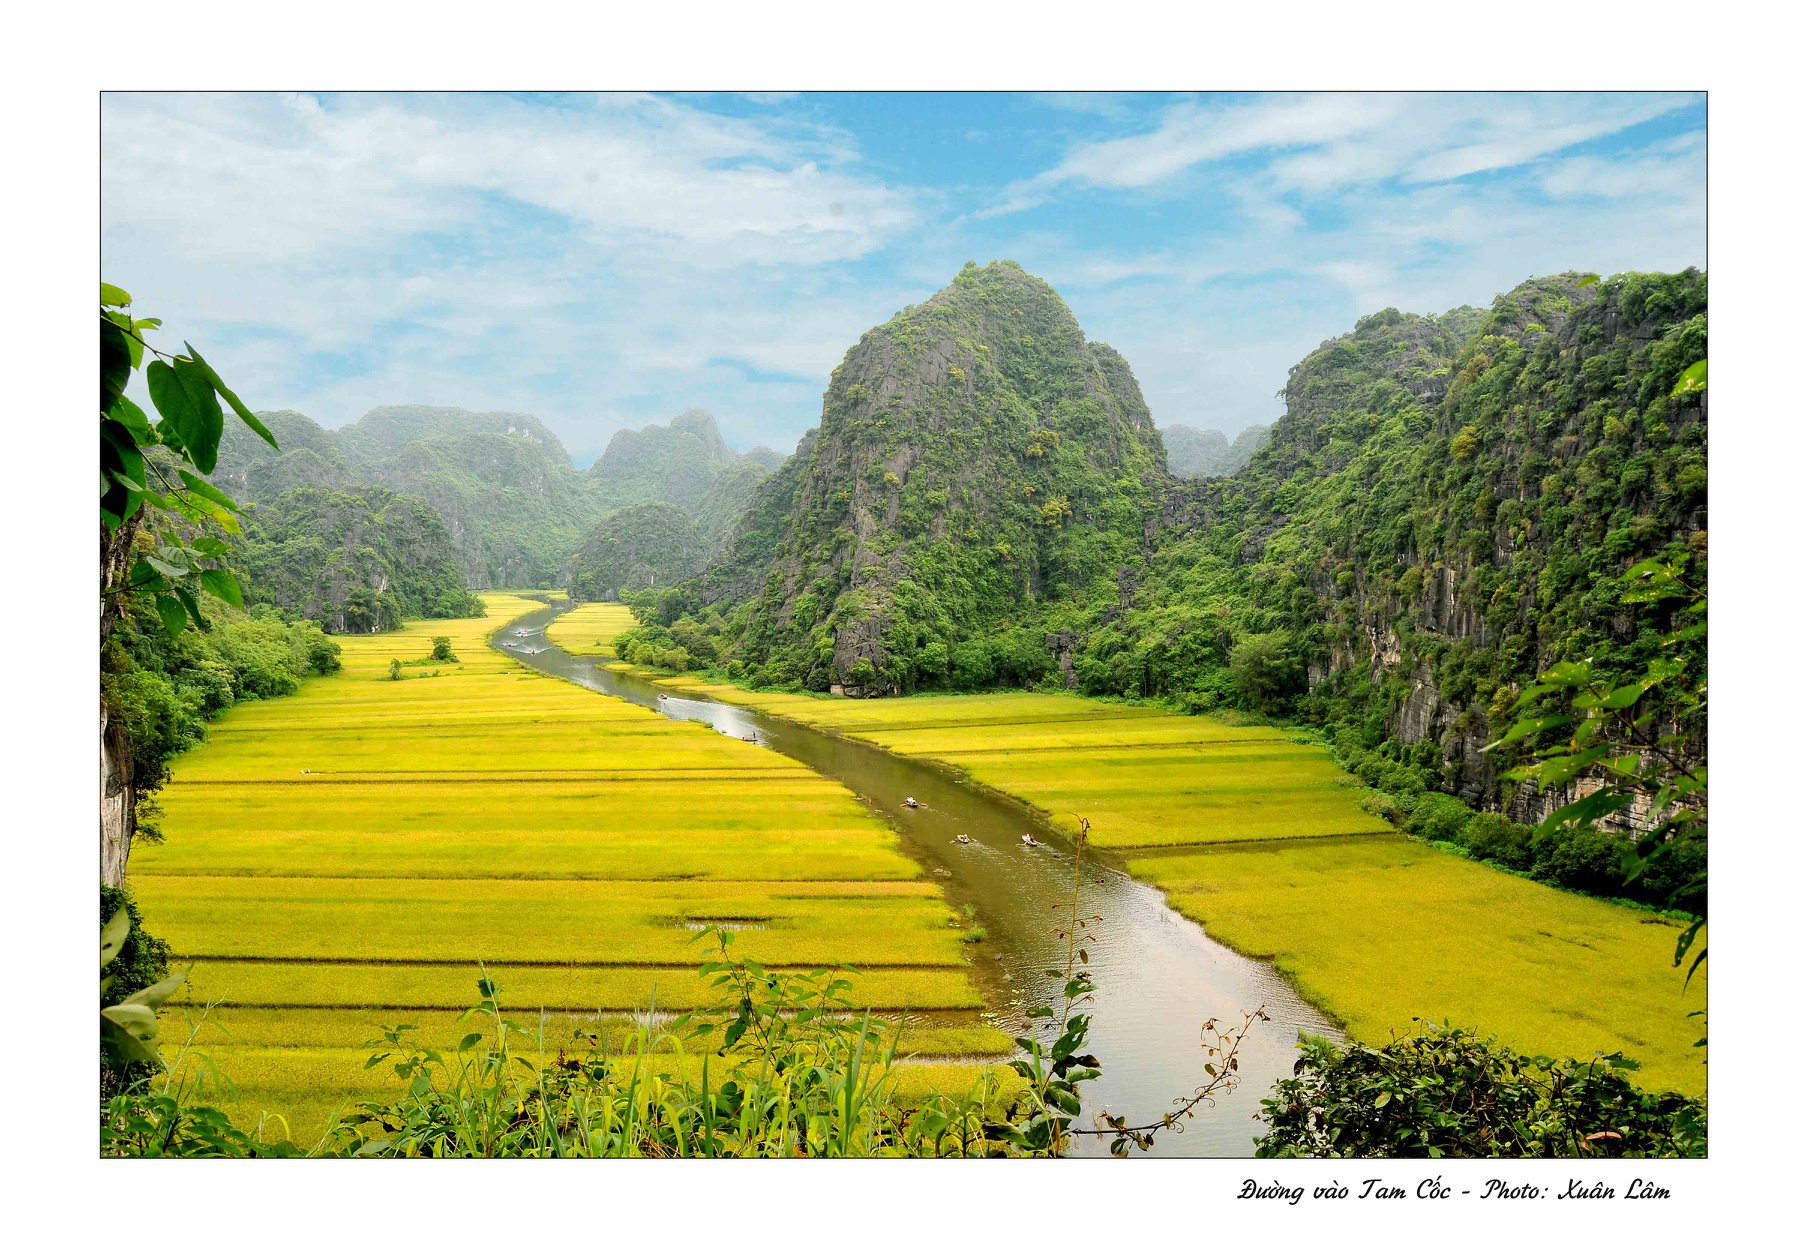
[(603, 261)]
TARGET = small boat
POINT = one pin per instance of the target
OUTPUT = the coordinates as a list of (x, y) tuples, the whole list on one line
[(911, 802), (963, 839), (662, 698), (1029, 839), (749, 738)]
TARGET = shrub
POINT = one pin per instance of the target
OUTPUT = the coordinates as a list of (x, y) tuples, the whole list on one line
[(1492, 836), (1438, 818), (1447, 1092)]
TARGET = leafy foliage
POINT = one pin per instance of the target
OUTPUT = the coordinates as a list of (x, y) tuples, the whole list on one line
[(1634, 742), (1446, 1092), (165, 690), (128, 1023), (150, 484)]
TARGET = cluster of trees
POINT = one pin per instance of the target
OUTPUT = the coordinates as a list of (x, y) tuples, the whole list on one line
[(165, 689)]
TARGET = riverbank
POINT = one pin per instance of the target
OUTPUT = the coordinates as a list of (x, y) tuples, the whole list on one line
[(1262, 840)]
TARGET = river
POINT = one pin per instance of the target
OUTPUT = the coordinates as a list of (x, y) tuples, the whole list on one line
[(1159, 976)]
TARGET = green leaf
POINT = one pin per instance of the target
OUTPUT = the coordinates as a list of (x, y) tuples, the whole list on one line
[(135, 1018), (171, 400), (205, 449), (112, 296), (154, 996), (132, 418), (222, 585), (115, 363), (207, 490), (113, 935), (234, 401), (1692, 379), (174, 618), (121, 1047), (169, 568), (193, 608)]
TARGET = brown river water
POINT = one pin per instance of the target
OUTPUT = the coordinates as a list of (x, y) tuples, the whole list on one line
[(1159, 976)]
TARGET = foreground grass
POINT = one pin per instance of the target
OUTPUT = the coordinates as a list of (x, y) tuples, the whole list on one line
[(590, 628), (1265, 842), (349, 853)]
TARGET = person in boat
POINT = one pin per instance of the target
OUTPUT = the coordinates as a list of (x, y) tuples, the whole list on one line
[(963, 839), (910, 801), (1029, 839)]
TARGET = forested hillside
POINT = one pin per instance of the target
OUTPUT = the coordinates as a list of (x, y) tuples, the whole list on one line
[(357, 560), (634, 549), (980, 469), (1441, 514), (513, 505)]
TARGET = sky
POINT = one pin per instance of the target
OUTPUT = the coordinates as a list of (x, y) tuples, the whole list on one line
[(603, 261)]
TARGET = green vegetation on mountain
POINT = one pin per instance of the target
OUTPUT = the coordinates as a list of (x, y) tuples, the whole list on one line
[(645, 546), (980, 470), (1443, 513), (1208, 453), (513, 504), (356, 560)]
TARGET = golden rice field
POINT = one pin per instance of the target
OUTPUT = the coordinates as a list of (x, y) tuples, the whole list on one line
[(344, 857), (590, 628), (1264, 841)]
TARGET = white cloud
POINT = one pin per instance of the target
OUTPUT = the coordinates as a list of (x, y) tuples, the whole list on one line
[(1322, 143), (267, 175), (609, 261)]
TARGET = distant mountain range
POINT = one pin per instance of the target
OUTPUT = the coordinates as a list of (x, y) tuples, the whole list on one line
[(514, 506), (1208, 453)]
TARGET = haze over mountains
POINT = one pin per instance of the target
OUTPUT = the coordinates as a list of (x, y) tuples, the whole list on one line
[(1194, 452), (514, 505)]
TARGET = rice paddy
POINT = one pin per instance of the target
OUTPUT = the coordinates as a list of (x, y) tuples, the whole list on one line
[(1264, 841), (343, 858), (590, 628)]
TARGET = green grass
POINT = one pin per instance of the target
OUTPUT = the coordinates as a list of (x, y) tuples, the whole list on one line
[(571, 841), (1374, 928), (590, 628)]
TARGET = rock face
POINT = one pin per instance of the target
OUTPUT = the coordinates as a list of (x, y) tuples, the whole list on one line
[(978, 464), (1208, 453)]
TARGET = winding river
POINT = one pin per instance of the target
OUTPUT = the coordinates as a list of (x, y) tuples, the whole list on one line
[(1159, 976)]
